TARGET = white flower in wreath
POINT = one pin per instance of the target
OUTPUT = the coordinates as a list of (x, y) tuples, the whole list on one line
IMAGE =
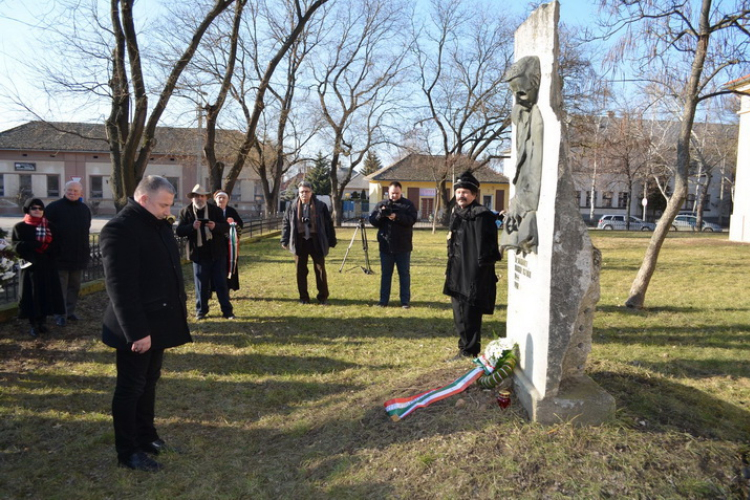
[(497, 349)]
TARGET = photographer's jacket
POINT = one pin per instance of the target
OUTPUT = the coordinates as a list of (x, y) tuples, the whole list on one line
[(320, 225), (472, 253), (394, 236), (214, 248)]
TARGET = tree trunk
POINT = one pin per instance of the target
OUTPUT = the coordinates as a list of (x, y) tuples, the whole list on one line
[(639, 287)]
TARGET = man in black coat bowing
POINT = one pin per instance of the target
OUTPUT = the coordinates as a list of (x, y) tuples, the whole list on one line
[(146, 314), (470, 278)]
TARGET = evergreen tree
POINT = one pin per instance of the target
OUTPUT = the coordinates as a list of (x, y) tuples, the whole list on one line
[(372, 163), (319, 175)]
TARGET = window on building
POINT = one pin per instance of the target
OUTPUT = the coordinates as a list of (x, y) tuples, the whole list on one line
[(175, 182), (24, 183), (587, 201), (53, 186), (622, 200), (96, 186), (2, 185), (578, 198), (707, 203), (689, 202), (487, 201), (607, 199)]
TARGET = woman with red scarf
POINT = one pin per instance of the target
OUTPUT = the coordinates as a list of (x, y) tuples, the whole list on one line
[(41, 294)]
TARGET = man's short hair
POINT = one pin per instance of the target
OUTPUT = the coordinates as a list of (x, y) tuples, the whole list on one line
[(305, 184), (70, 183), (396, 184), (150, 184)]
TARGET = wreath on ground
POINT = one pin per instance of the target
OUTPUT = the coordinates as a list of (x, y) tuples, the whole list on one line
[(498, 362)]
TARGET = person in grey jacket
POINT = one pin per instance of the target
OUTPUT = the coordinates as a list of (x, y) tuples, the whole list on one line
[(308, 232)]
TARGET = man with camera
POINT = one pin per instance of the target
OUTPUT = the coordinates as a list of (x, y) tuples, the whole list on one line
[(394, 219), (206, 229), (308, 232)]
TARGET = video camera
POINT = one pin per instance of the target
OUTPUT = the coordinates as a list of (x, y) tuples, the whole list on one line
[(386, 208)]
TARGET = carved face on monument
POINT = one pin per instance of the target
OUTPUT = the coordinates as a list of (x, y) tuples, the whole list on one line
[(523, 78)]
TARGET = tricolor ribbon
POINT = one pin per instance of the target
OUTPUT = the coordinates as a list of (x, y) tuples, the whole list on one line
[(399, 408), (234, 249)]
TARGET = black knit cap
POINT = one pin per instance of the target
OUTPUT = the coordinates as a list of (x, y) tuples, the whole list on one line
[(467, 181), (32, 201)]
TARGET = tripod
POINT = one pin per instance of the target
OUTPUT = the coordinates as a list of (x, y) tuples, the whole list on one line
[(360, 227)]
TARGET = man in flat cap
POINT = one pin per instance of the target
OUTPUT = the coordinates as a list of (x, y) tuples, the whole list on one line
[(470, 278), (206, 229)]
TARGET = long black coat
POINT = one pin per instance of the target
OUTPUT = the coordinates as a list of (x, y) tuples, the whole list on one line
[(214, 249), (72, 220), (144, 281), (472, 252), (395, 236), (41, 294)]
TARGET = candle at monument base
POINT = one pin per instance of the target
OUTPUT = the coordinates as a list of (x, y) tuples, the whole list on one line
[(503, 399)]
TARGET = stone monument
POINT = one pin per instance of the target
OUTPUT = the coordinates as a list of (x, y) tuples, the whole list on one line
[(553, 268)]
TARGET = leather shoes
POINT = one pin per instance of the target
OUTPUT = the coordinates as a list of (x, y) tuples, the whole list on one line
[(60, 321), (34, 332), (140, 461), (157, 447)]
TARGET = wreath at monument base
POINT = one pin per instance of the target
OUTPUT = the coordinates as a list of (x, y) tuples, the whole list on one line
[(494, 366)]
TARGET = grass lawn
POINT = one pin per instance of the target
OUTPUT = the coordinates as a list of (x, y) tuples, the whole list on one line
[(286, 402)]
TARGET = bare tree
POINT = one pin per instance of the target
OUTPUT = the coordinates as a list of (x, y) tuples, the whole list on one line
[(356, 76), (689, 54), (302, 13), (131, 130), (462, 53)]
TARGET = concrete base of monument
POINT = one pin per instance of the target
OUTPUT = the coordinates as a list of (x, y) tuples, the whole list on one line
[(580, 401)]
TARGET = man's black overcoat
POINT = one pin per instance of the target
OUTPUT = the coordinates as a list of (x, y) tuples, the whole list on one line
[(144, 281), (472, 253)]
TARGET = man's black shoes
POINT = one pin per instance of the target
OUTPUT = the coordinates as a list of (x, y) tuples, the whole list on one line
[(140, 461), (157, 447)]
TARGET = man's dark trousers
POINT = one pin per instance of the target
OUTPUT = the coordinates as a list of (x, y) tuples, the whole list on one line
[(468, 320), (206, 271), (133, 402), (310, 248), (402, 261)]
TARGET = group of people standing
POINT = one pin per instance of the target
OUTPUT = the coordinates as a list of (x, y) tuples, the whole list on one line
[(147, 311), (53, 243), (473, 250)]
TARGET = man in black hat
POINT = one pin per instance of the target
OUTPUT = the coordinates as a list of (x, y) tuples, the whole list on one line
[(470, 278), (206, 229)]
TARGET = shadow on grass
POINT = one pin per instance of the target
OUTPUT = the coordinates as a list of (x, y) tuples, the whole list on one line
[(622, 309), (654, 404), (700, 336)]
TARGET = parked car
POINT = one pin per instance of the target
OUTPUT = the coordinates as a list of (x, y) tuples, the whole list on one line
[(610, 222), (685, 222)]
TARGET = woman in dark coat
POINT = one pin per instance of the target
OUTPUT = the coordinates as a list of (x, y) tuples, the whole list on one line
[(33, 240), (230, 214)]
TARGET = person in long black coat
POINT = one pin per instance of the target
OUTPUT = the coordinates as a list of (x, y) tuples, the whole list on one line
[(34, 241), (470, 278), (147, 314), (232, 216)]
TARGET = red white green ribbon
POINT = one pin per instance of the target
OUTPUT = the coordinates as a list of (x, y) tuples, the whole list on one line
[(234, 249), (399, 408)]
